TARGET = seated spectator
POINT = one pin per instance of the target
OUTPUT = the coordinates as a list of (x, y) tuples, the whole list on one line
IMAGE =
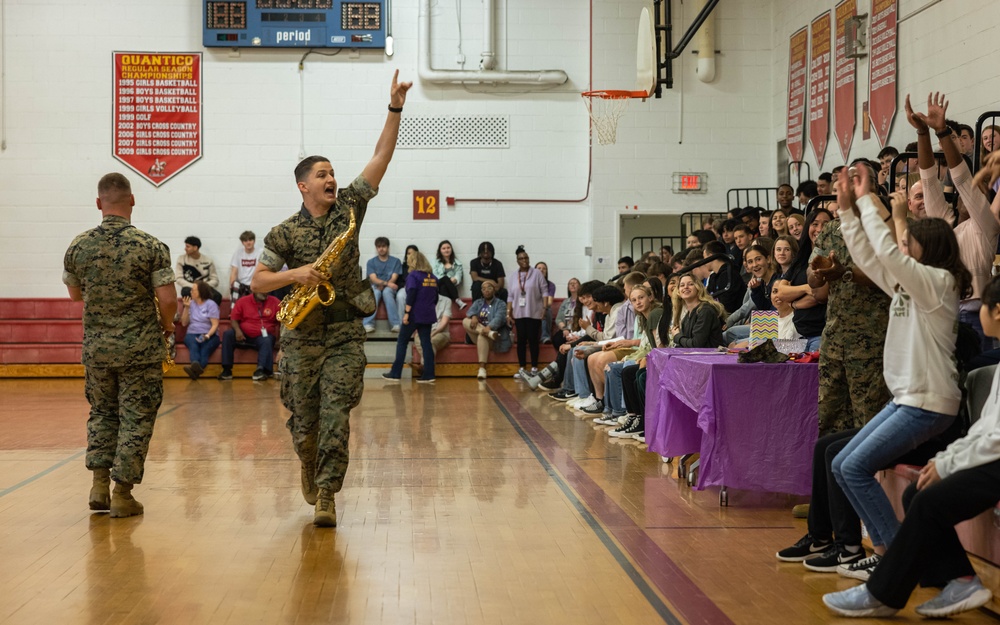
[(750, 216), (666, 253), (254, 326), (691, 241), (529, 296), (383, 270), (200, 314), (806, 191), (487, 267), (809, 314), (566, 320), (401, 281), (625, 264), (420, 315), (779, 223), (547, 313), (795, 225), (193, 266), (610, 302), (440, 335), (786, 198), (242, 265), (563, 384), (727, 234), (885, 157), (737, 326), (967, 141), (724, 281), (706, 236), (990, 142), (449, 272), (486, 324), (764, 224), (958, 484), (698, 318), (742, 237), (824, 184)]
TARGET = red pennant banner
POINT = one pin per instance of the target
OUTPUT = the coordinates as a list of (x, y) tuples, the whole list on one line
[(798, 65), (819, 86), (845, 85), (882, 69), (157, 112)]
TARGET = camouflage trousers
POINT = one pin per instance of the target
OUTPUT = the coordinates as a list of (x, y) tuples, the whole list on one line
[(123, 405), (851, 392), (322, 379)]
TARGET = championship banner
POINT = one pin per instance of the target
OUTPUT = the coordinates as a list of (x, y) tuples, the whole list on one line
[(819, 86), (845, 86), (157, 112), (882, 69), (798, 61)]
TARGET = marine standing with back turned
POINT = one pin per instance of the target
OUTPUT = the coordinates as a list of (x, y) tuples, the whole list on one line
[(322, 371), (119, 271)]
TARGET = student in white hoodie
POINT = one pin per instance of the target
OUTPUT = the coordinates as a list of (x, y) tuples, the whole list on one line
[(958, 484), (925, 283)]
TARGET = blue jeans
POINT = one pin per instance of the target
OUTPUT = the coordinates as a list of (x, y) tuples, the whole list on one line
[(201, 352), (614, 397), (391, 308), (581, 379), (569, 383), (891, 433), (736, 333), (813, 343), (403, 342), (264, 345)]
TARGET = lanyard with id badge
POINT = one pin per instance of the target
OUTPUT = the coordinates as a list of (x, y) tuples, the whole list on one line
[(522, 280)]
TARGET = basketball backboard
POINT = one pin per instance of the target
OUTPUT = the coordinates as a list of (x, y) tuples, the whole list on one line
[(645, 54)]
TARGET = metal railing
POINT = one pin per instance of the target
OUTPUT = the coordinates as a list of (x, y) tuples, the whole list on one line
[(759, 196), (643, 245), (981, 123)]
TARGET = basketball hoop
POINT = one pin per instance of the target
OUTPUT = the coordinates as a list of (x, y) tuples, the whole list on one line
[(606, 107)]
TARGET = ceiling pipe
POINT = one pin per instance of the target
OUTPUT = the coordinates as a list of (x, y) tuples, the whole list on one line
[(706, 48), (540, 78), (488, 59)]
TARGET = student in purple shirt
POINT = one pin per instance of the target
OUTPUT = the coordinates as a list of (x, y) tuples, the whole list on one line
[(200, 314), (419, 315), (529, 291)]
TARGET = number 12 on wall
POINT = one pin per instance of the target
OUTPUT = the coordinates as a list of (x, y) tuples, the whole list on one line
[(427, 204)]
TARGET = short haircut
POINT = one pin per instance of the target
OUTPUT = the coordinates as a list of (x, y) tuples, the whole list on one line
[(248, 235), (607, 294), (954, 125), (195, 241), (888, 151), (657, 269), (715, 247), (380, 241), (305, 166), (634, 278), (113, 186), (807, 188), (588, 287), (705, 236), (730, 224), (785, 184), (836, 171), (911, 147), (627, 260), (826, 177), (966, 128), (742, 228)]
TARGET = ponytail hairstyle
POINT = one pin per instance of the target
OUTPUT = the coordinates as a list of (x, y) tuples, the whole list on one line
[(937, 238)]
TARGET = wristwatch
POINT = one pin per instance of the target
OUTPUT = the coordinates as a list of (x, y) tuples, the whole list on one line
[(848, 276)]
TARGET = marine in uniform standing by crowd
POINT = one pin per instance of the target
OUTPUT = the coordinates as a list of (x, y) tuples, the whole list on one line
[(324, 359), (124, 278)]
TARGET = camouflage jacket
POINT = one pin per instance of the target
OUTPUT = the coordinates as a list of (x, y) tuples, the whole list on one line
[(302, 238), (857, 315), (118, 268)]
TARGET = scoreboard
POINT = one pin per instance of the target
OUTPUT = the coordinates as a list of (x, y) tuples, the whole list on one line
[(294, 24)]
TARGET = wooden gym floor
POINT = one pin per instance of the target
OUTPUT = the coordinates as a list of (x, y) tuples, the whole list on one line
[(465, 502)]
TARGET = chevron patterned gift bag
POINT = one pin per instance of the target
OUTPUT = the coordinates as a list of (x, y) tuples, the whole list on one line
[(763, 326)]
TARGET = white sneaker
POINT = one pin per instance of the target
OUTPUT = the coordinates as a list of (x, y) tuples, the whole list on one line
[(482, 373), (589, 403), (461, 304), (395, 329), (579, 401), (520, 374), (369, 329)]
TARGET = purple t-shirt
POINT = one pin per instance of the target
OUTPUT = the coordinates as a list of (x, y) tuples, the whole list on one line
[(529, 289), (200, 316), (421, 297)]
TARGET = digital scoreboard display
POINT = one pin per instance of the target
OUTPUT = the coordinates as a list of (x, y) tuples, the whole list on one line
[(294, 24)]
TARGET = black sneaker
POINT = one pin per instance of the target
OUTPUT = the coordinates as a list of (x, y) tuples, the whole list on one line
[(549, 386), (596, 408), (806, 548), (829, 560), (607, 419), (563, 395), (862, 569), (259, 375), (226, 375), (627, 430)]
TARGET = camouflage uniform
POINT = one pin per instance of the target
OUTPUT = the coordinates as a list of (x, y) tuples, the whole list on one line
[(118, 268), (323, 363), (852, 386)]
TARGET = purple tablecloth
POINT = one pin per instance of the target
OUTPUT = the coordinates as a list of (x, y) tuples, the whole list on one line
[(754, 425)]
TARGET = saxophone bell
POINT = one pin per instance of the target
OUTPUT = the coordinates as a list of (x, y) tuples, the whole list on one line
[(325, 293)]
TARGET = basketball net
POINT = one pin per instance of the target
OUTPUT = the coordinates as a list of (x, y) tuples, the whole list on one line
[(606, 108)]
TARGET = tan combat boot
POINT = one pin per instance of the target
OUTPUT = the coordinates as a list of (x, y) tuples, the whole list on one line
[(309, 489), (326, 509), (123, 504), (100, 492)]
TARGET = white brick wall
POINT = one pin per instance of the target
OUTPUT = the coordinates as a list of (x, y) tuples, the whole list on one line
[(59, 124)]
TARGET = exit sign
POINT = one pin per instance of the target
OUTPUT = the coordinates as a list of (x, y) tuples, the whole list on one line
[(690, 182)]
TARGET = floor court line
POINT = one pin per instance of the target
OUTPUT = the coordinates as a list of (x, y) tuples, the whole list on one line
[(594, 505), (64, 462)]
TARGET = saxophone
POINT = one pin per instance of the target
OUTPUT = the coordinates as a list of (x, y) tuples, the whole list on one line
[(303, 299)]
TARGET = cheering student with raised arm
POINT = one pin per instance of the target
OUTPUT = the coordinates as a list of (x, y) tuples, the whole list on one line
[(926, 284), (960, 483)]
